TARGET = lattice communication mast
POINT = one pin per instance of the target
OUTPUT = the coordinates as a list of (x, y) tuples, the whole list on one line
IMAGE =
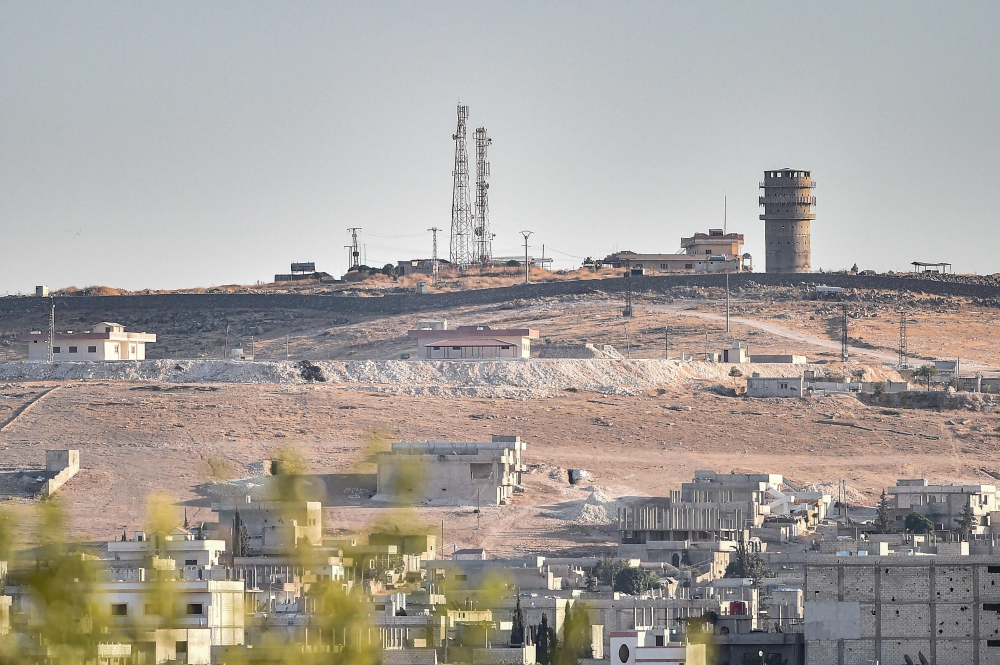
[(462, 241), (483, 237)]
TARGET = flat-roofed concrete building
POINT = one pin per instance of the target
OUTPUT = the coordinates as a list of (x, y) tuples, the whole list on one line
[(105, 342), (450, 472), (863, 609), (774, 386), (436, 341), (943, 504)]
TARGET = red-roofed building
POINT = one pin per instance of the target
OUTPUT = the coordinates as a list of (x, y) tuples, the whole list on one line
[(436, 341)]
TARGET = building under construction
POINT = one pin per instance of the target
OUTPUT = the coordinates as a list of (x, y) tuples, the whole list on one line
[(788, 203)]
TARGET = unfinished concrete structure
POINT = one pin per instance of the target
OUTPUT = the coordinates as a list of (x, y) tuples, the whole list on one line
[(274, 527), (712, 508), (863, 609), (788, 203), (944, 504), (451, 473), (60, 466)]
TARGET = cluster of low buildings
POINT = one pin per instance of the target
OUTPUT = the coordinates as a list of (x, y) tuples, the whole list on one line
[(837, 584)]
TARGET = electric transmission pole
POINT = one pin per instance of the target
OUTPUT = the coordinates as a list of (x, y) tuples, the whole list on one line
[(904, 359), (843, 336), (628, 288), (484, 239), (461, 252), (434, 256), (355, 254), (526, 234), (50, 356)]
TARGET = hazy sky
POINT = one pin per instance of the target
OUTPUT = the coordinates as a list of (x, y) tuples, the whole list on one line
[(170, 144)]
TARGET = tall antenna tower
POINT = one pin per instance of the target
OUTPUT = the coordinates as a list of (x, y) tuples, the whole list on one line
[(462, 252), (843, 336), (484, 239), (355, 254)]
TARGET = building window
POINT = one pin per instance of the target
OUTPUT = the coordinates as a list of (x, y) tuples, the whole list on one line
[(456, 348), (91, 349), (688, 266), (150, 609), (181, 647), (190, 562), (437, 348), (195, 609), (119, 609), (461, 578), (72, 349), (56, 349)]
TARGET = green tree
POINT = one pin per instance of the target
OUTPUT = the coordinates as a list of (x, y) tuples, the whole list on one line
[(576, 637), (517, 625), (917, 523), (748, 564), (883, 515), (389, 269), (967, 521), (513, 263), (635, 581), (926, 372)]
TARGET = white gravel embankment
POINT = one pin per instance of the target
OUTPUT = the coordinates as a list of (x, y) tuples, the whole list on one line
[(510, 378)]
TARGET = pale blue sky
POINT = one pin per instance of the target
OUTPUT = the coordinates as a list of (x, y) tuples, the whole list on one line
[(170, 144)]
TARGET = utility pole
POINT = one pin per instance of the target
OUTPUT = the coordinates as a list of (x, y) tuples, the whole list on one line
[(226, 352), (843, 336), (904, 360), (628, 349), (727, 301), (50, 356), (526, 234), (286, 347), (627, 312), (434, 256), (479, 512), (666, 344), (355, 254)]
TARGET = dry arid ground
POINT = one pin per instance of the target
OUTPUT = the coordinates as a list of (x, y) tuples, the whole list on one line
[(182, 440), (691, 320)]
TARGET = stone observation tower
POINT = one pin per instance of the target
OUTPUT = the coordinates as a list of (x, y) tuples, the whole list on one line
[(788, 203)]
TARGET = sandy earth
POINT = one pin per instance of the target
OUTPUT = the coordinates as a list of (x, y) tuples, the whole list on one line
[(178, 440)]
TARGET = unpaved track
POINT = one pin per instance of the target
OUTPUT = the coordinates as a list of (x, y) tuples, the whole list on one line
[(682, 309)]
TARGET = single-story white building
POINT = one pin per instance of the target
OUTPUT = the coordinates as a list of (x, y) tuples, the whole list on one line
[(106, 341), (436, 341)]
